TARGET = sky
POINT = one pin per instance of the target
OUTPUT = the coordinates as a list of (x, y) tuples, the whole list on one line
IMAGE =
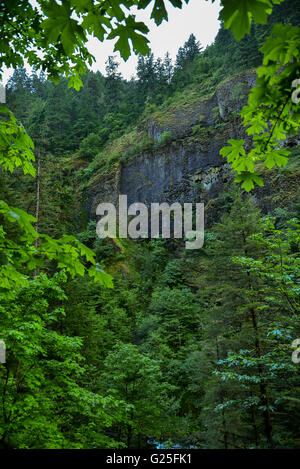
[(199, 17)]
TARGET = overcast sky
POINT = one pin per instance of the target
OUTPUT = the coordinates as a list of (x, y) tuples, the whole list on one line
[(199, 17)]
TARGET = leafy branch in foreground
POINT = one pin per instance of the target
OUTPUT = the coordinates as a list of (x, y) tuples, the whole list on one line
[(238, 15), (66, 251), (21, 251), (62, 30), (15, 144), (271, 115)]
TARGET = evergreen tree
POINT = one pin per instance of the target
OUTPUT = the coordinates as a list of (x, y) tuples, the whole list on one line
[(188, 53)]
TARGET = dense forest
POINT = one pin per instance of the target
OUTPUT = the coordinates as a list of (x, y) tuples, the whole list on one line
[(173, 347)]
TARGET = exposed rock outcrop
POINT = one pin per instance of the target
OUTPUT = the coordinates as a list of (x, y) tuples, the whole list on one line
[(188, 167)]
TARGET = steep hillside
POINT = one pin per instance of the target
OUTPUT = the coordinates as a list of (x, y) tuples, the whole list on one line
[(173, 156)]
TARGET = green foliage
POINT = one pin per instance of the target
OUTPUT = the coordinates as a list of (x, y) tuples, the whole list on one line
[(41, 382), (61, 32), (268, 365), (271, 114), (238, 15), (30, 248), (173, 273), (15, 145), (250, 326), (66, 251), (176, 311), (190, 347), (165, 137), (137, 379), (89, 146)]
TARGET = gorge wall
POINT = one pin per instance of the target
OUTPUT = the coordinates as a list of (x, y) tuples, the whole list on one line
[(183, 163)]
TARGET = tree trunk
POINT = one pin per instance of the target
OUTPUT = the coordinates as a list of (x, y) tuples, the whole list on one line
[(129, 435), (37, 203), (262, 385), (225, 432), (254, 426)]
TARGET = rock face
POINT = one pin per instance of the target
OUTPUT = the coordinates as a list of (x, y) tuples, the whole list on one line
[(178, 172), (188, 167), (226, 102)]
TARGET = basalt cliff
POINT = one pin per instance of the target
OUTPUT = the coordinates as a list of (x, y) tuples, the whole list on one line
[(173, 156)]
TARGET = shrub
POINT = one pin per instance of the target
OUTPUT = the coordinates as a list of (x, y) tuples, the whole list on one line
[(165, 137)]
